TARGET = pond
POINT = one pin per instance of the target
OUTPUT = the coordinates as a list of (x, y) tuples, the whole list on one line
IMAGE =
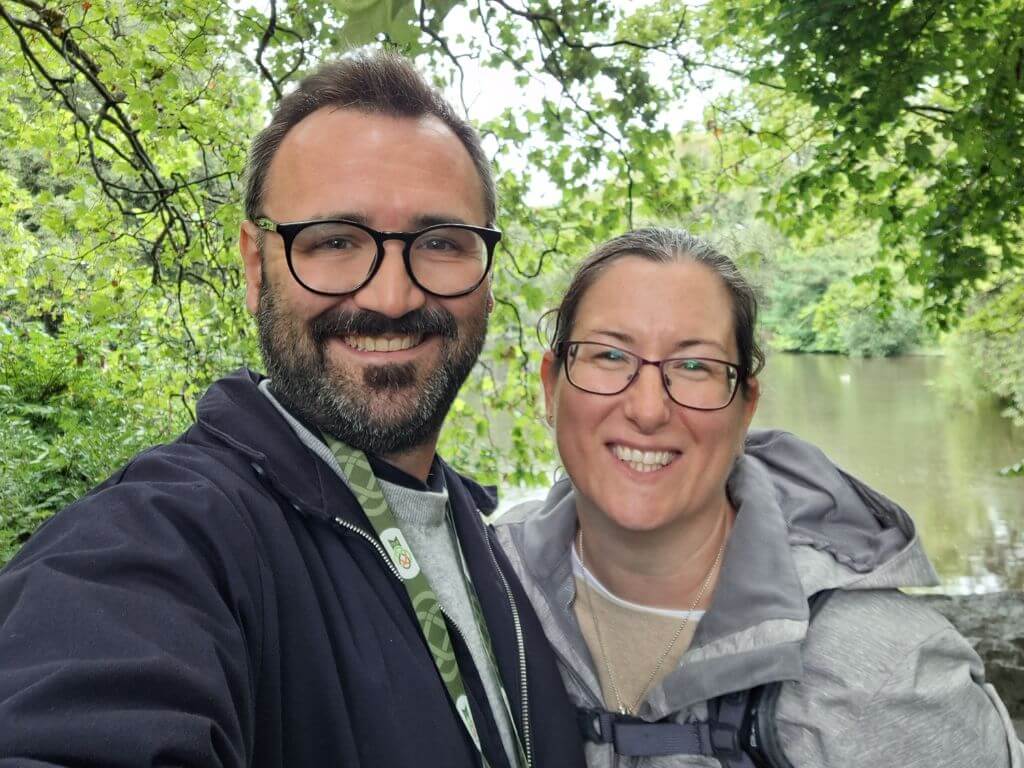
[(888, 422)]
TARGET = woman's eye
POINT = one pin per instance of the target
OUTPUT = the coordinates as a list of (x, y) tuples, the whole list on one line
[(689, 365)]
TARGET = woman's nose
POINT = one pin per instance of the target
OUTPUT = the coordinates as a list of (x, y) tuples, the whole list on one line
[(647, 403)]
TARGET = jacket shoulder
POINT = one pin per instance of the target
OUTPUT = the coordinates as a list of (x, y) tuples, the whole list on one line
[(889, 681), (169, 496), (145, 603)]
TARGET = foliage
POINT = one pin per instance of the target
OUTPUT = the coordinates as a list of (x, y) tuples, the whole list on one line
[(63, 417), (989, 340), (908, 113), (851, 319), (879, 150)]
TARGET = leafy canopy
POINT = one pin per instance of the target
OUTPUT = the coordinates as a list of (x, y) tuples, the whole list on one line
[(892, 125)]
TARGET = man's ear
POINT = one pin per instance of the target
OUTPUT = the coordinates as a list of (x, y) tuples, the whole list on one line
[(252, 261), (549, 378)]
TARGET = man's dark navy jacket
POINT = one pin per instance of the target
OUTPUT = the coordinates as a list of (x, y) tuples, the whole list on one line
[(203, 608)]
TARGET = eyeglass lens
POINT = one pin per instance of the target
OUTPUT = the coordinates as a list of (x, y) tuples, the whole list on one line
[(690, 381), (335, 257)]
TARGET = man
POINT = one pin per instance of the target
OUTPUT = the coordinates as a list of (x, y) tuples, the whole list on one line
[(299, 580)]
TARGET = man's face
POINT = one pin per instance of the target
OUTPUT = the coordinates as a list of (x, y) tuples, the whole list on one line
[(378, 368)]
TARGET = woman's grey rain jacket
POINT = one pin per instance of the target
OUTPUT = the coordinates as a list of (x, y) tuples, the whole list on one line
[(877, 679)]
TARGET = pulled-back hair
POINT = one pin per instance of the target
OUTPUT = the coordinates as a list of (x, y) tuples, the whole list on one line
[(666, 245), (380, 82)]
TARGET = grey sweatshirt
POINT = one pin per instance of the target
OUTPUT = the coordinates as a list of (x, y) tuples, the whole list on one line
[(876, 680)]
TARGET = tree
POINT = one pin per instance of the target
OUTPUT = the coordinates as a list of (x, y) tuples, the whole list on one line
[(127, 121), (911, 114)]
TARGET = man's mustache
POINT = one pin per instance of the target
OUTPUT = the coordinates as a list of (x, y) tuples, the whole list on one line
[(369, 323)]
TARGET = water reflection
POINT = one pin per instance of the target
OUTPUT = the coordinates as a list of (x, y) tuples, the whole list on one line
[(887, 421)]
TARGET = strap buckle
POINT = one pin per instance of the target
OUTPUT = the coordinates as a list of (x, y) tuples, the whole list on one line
[(597, 725), (635, 737)]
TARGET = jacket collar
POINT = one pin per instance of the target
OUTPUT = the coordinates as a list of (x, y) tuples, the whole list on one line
[(235, 413), (751, 632)]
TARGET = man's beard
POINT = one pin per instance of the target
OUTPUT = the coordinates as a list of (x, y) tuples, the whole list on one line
[(382, 410)]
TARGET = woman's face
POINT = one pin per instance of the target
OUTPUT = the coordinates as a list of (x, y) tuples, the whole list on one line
[(655, 310)]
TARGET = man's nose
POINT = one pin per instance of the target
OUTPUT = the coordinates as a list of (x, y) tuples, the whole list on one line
[(391, 292), (647, 403)]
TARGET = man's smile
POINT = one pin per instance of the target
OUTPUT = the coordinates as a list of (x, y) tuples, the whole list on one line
[(384, 349), (386, 343)]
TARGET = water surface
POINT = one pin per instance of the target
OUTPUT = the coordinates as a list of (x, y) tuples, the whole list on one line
[(889, 422)]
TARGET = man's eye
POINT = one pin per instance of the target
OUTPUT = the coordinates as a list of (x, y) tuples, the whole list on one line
[(437, 244), (334, 244)]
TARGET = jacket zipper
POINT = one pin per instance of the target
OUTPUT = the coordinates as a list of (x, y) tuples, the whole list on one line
[(515, 618), (521, 646)]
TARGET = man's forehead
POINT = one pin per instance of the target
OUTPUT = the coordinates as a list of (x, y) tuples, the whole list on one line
[(339, 127), (351, 161)]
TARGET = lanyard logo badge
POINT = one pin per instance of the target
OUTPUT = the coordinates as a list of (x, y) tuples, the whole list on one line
[(400, 554)]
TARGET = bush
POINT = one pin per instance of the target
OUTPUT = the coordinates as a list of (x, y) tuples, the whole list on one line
[(67, 420)]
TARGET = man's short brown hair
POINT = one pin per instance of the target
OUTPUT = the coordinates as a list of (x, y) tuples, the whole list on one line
[(380, 82)]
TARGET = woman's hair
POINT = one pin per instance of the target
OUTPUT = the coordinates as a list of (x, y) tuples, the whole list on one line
[(666, 245)]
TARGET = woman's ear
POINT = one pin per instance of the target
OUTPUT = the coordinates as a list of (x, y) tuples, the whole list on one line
[(549, 378), (749, 402)]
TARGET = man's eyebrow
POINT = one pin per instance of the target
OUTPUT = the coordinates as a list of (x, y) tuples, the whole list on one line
[(358, 218), (419, 222), (431, 220)]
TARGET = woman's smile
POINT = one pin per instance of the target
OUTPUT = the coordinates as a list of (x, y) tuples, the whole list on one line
[(642, 460)]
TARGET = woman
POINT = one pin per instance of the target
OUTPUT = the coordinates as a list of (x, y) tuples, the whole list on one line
[(682, 560)]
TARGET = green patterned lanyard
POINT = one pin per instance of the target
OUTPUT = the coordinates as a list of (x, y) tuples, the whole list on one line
[(363, 483)]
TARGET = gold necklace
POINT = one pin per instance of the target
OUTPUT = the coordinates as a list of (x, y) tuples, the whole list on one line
[(623, 709)]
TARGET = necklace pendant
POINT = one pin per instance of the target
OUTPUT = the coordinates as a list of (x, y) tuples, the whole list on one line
[(623, 710)]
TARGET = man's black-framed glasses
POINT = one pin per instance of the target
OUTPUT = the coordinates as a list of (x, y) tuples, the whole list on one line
[(701, 383), (335, 257)]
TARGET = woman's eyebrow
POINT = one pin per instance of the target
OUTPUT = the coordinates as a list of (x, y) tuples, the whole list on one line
[(682, 345), (625, 338), (687, 343)]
